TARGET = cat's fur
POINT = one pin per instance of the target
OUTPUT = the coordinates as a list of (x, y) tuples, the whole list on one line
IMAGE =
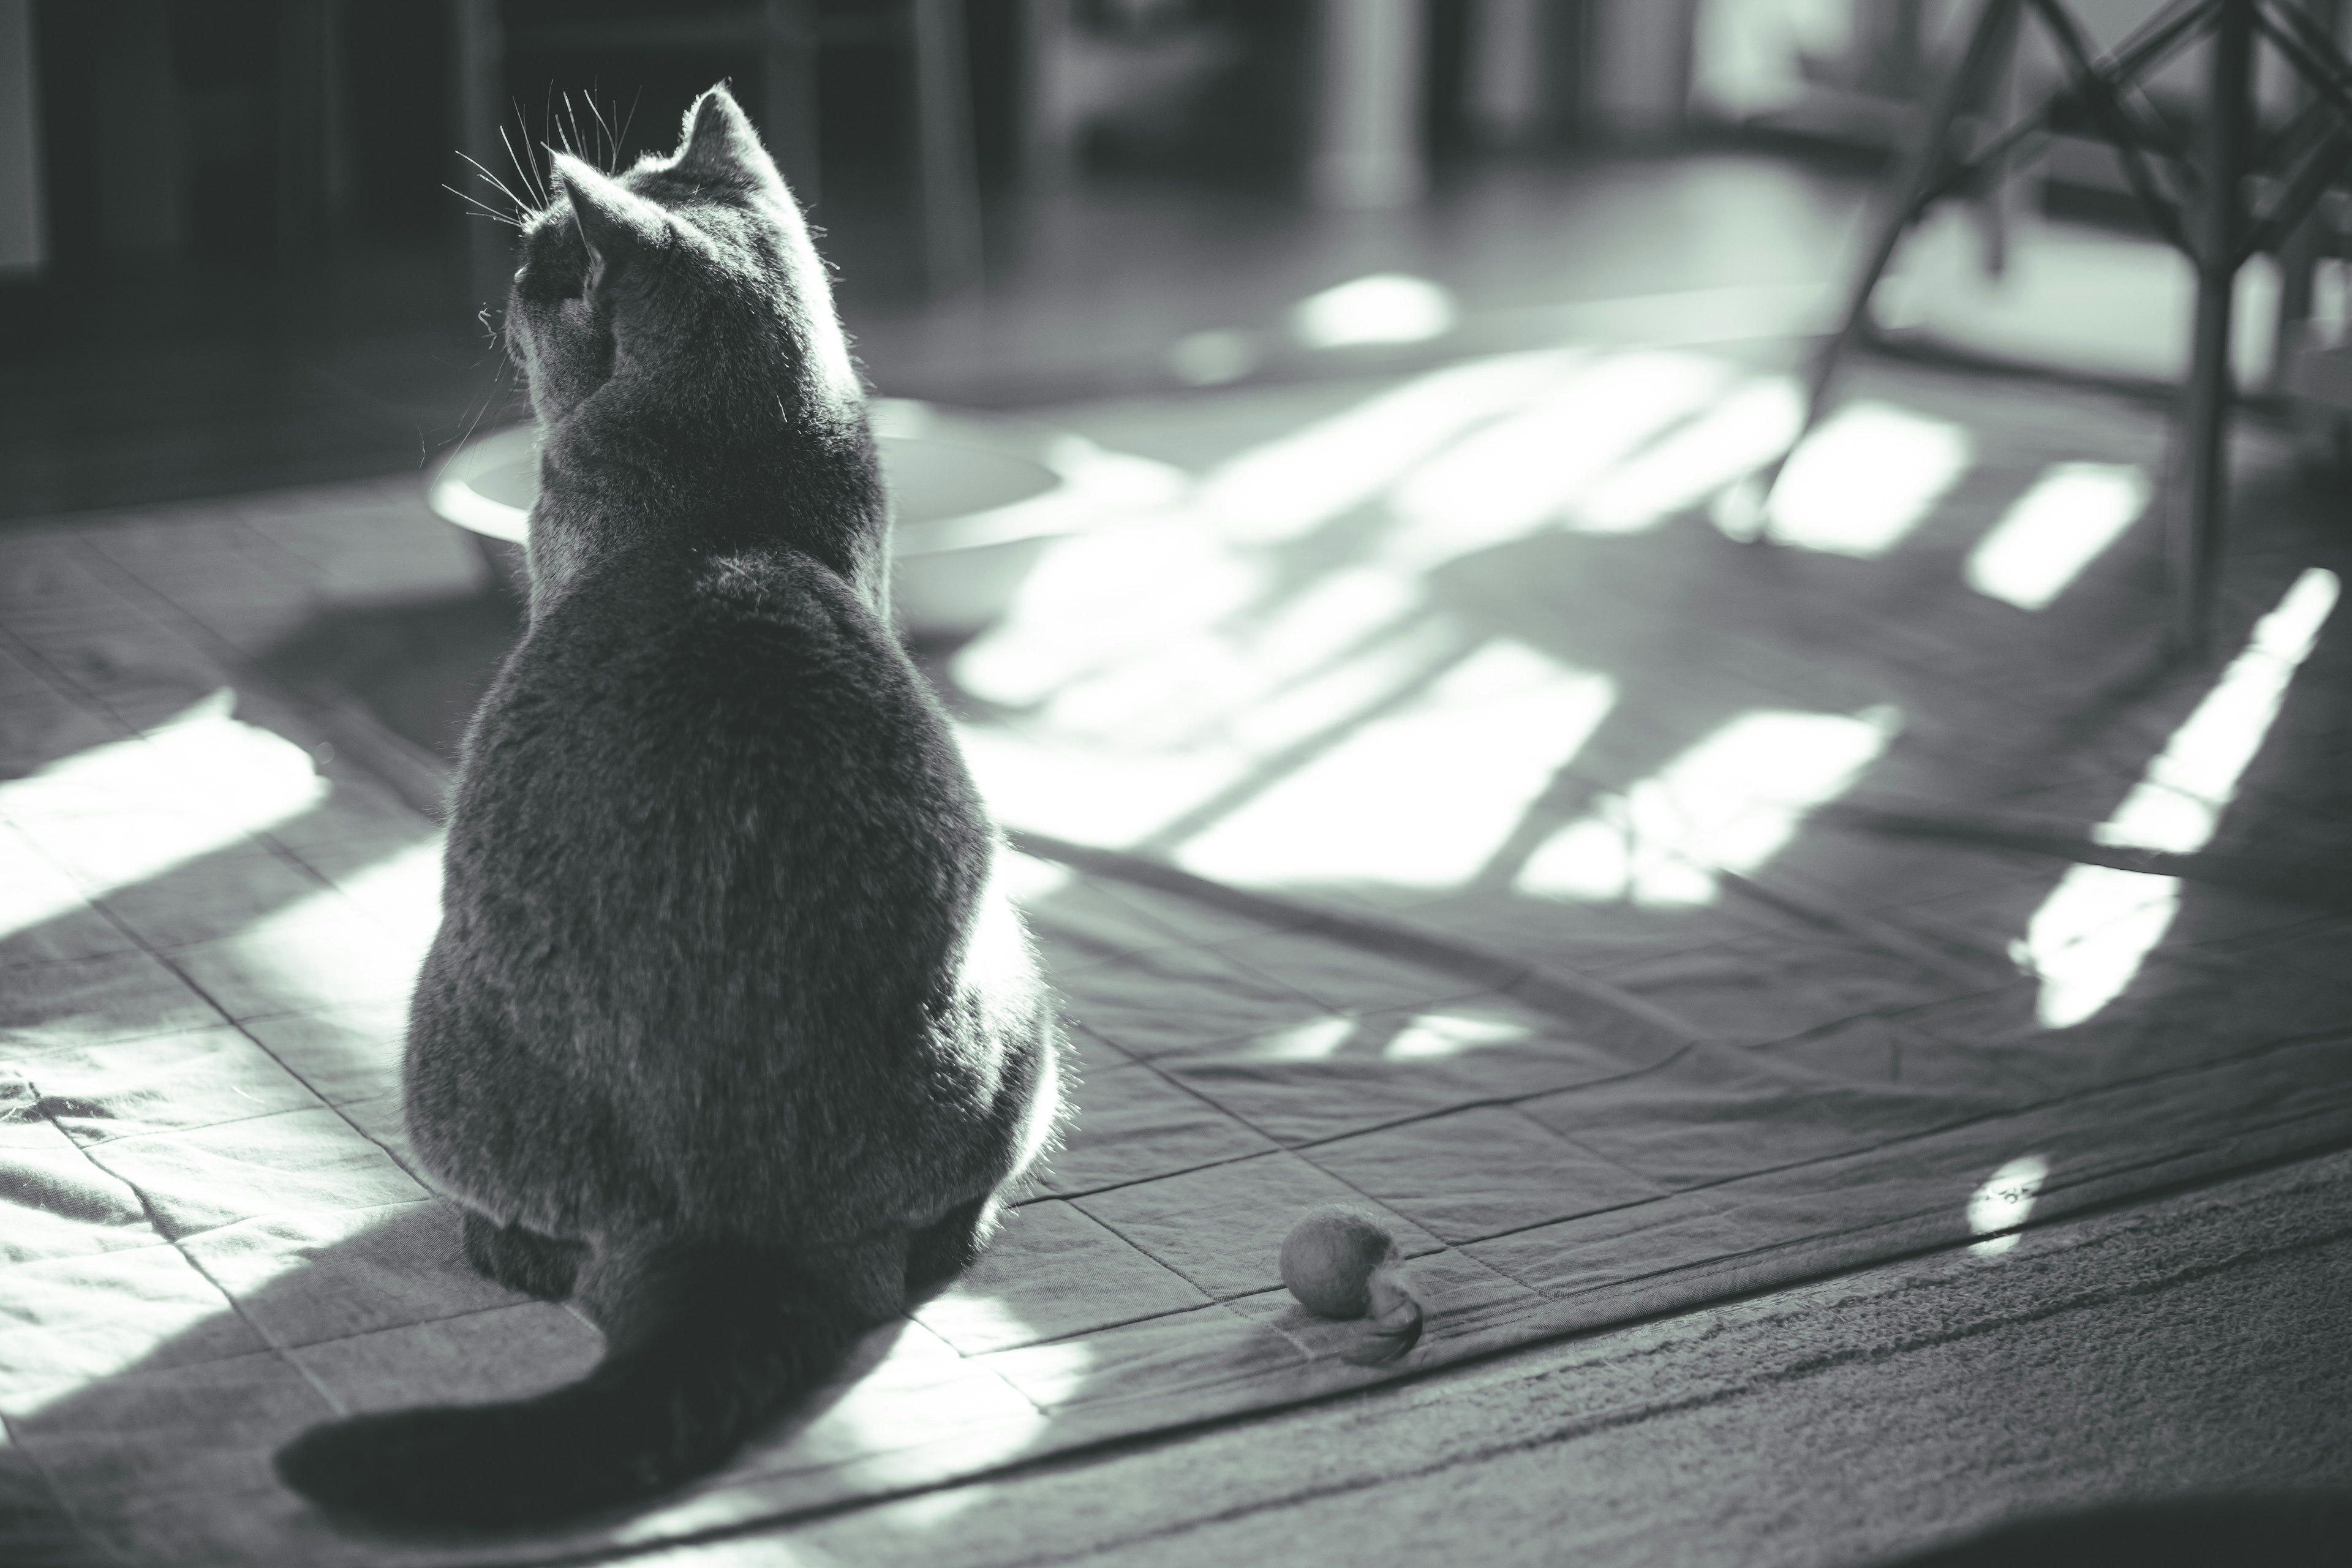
[(727, 1030)]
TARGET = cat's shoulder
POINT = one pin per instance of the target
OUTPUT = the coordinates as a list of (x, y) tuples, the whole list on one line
[(777, 585)]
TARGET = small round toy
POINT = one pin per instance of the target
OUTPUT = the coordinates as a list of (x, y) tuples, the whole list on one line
[(1340, 1262)]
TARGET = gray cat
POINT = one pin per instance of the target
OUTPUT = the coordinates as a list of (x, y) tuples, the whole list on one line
[(727, 1031)]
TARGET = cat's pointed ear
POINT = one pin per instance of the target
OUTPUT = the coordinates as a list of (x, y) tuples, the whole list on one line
[(616, 223), (718, 141)]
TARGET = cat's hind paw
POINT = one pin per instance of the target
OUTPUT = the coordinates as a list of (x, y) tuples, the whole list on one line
[(524, 1259)]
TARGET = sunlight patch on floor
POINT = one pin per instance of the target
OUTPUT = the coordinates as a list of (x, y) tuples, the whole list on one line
[(329, 948), (906, 1387), (1375, 678), (2003, 1202), (2074, 511), (1099, 794), (1098, 599), (1523, 470), (1432, 1035), (1212, 357), (1865, 478), (1026, 880), (1311, 646), (1384, 308), (1288, 488), (129, 811), (2092, 933), (1313, 1041), (1419, 798), (1730, 803), (1743, 431)]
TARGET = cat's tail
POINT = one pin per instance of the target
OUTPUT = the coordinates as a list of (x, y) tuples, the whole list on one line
[(707, 1342)]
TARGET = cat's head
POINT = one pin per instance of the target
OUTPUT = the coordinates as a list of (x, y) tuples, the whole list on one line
[(686, 283)]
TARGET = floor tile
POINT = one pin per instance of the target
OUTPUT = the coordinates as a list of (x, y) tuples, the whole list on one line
[(1131, 1124), (345, 1053), (1583, 936), (1714, 1114), (21, 673), (133, 842), (46, 571), (101, 1316), (1148, 1361), (504, 1352), (1345, 977), (41, 1530), (183, 1454), (358, 815), (1351, 1075), (60, 1204), (1087, 1053), (1479, 1172), (301, 1278), (218, 895), (903, 1382), (1051, 1272), (44, 918), (382, 1120), (1613, 1248), (306, 957), (165, 1083), (118, 996), (39, 727), (1763, 988), (1169, 998), (1221, 1228), (290, 1162)]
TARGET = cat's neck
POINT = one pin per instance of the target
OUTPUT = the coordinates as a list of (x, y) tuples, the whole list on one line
[(616, 479)]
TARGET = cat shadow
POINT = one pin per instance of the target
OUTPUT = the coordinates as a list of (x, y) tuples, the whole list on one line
[(386, 1315), (420, 667)]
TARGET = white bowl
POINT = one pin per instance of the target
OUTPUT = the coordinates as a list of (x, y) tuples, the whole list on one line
[(976, 499)]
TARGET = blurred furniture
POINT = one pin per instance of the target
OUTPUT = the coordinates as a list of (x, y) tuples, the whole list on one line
[(788, 37), (1367, 150), (2198, 194), (24, 246), (1641, 67)]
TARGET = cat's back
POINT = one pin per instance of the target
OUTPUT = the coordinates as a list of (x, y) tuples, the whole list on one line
[(726, 759), (739, 671)]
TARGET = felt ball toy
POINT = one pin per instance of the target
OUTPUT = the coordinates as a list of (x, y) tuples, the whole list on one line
[(1340, 1262)]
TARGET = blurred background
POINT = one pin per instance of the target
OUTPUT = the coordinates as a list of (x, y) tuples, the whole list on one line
[(239, 245)]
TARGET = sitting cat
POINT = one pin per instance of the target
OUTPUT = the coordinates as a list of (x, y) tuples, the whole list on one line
[(727, 1031)]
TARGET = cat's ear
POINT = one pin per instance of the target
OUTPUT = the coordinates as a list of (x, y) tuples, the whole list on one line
[(616, 223), (718, 141)]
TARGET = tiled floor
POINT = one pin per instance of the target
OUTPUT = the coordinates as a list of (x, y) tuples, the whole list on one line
[(1544, 713)]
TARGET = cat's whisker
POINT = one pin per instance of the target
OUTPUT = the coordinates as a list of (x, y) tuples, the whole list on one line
[(521, 205), (612, 144), (571, 138), (626, 121), (529, 171), (487, 211)]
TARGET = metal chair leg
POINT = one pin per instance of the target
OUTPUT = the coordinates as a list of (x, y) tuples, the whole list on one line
[(2195, 514), (1921, 167)]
